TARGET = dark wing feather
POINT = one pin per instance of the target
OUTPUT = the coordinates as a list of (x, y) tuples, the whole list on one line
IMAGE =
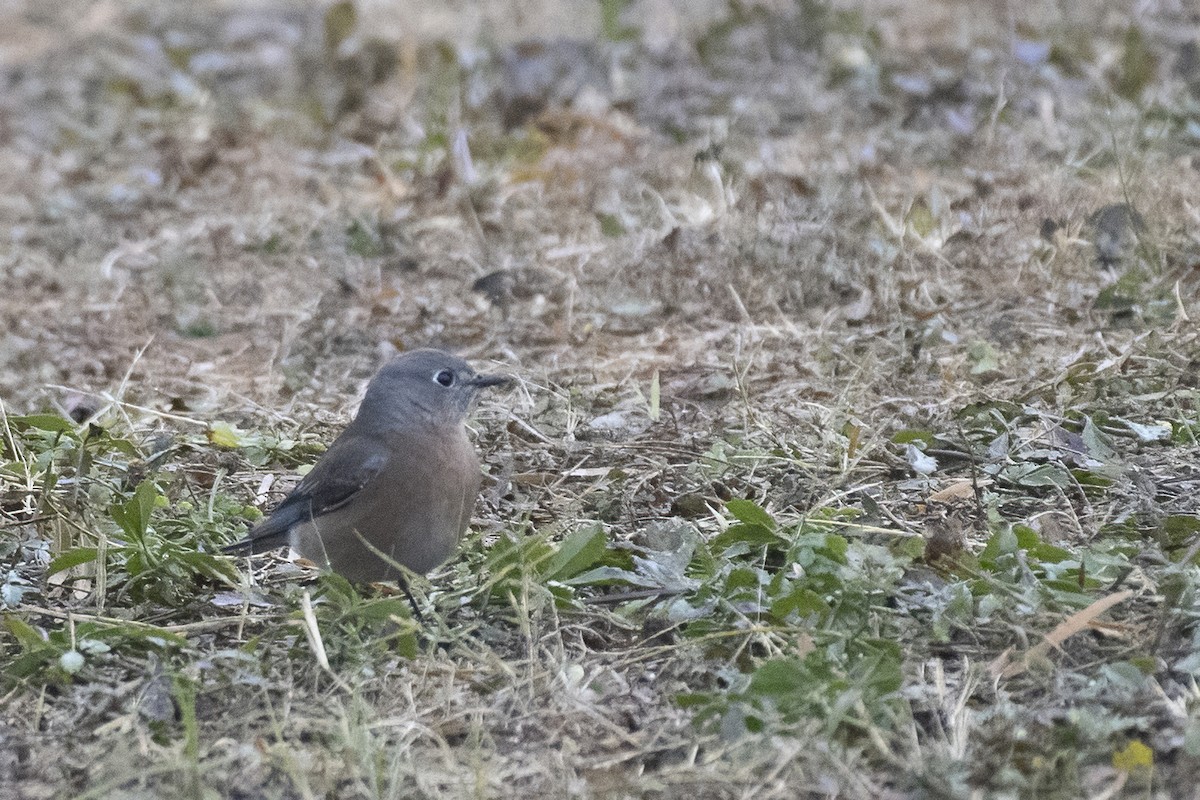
[(348, 465)]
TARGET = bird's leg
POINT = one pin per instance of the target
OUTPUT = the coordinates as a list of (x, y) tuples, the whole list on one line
[(412, 601), (398, 569)]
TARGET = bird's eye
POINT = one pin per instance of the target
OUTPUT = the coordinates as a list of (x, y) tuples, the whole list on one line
[(445, 377)]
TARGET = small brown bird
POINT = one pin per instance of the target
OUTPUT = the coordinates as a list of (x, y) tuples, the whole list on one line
[(403, 475)]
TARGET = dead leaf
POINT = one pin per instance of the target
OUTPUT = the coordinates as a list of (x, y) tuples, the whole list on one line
[(1003, 666)]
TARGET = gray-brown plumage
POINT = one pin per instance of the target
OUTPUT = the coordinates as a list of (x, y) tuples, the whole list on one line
[(403, 474)]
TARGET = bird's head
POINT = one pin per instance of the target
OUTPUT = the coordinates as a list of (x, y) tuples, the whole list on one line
[(422, 386)]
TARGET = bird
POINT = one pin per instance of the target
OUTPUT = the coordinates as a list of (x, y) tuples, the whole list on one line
[(401, 479)]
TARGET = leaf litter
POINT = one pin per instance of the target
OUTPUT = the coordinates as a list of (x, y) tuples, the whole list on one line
[(853, 447)]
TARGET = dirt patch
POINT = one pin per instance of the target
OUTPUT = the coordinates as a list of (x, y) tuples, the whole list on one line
[(886, 274)]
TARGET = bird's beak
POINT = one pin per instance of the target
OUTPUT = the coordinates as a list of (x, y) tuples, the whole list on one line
[(484, 381)]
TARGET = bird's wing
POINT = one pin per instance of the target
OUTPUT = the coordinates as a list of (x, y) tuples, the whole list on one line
[(348, 465)]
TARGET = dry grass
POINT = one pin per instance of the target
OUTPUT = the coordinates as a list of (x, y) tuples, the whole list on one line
[(765, 249)]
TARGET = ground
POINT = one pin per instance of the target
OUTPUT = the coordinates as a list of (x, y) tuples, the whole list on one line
[(852, 445)]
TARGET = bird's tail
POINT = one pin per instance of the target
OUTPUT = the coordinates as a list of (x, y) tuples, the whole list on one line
[(260, 543)]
